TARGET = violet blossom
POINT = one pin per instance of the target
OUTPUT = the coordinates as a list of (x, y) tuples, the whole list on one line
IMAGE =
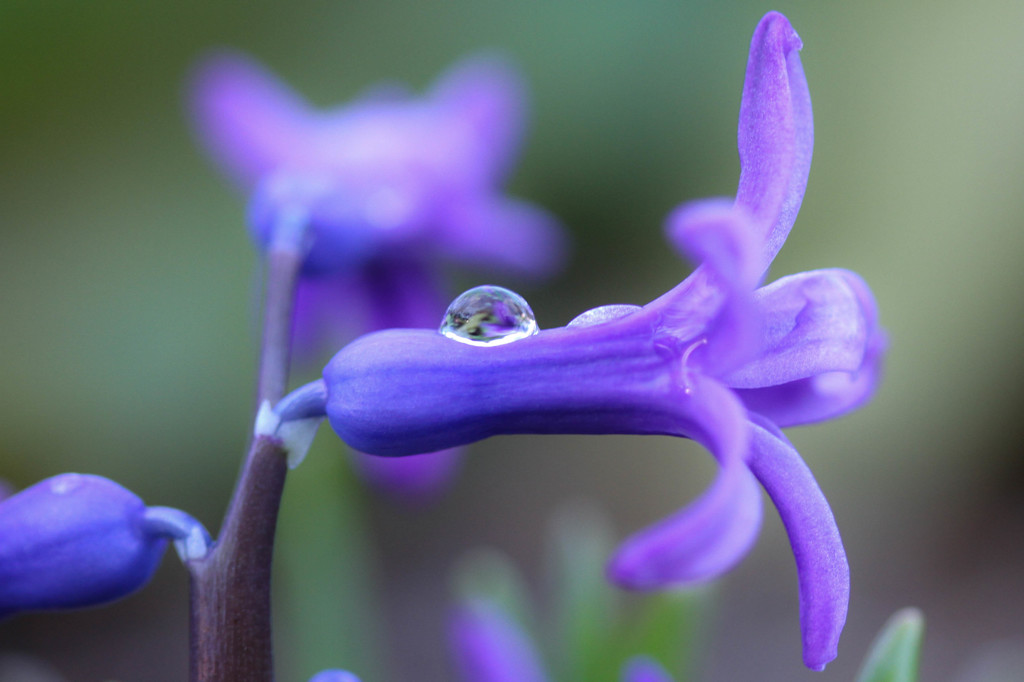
[(715, 359), (77, 540), (386, 187), (489, 646)]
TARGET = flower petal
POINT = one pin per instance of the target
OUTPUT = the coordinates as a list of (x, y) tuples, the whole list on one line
[(251, 122), (776, 133), (490, 647), (821, 397), (822, 569), (486, 96), (708, 537), (815, 322), (503, 234), (644, 669), (715, 302)]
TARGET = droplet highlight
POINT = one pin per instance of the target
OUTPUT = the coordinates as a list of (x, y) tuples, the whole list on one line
[(605, 313), (488, 316)]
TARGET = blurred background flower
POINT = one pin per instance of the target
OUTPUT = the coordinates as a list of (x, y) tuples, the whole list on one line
[(128, 347)]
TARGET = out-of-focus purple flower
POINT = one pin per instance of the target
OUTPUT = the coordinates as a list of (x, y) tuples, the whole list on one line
[(715, 359), (334, 676), (386, 186), (489, 646), (644, 669), (77, 540)]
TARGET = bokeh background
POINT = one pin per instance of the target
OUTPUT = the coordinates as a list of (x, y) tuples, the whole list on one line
[(127, 316)]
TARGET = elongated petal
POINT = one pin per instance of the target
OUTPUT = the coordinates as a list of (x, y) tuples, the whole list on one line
[(485, 96), (251, 122), (489, 647), (822, 397), (71, 541), (499, 234), (815, 322), (709, 536), (644, 669), (822, 569), (714, 305), (776, 133)]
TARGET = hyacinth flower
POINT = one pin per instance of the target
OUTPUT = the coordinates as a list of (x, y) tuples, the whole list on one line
[(384, 189), (717, 359), (77, 540)]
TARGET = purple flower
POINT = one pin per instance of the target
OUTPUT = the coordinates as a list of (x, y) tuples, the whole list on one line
[(386, 187), (715, 359), (77, 540), (490, 647), (334, 676)]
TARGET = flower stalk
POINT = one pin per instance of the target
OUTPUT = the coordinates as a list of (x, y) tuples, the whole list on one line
[(230, 622)]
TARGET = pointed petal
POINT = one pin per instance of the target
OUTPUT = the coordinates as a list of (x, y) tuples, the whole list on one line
[(486, 97), (815, 322), (644, 669), (716, 301), (503, 234), (489, 647), (776, 133), (822, 569), (250, 121), (708, 537)]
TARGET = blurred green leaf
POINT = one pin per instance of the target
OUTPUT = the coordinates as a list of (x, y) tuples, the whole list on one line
[(324, 594), (488, 574), (895, 654), (585, 606), (669, 630)]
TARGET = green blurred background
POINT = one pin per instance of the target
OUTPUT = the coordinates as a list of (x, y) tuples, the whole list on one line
[(127, 317)]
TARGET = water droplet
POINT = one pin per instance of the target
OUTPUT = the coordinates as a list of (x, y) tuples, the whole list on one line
[(488, 316), (605, 313), (65, 483)]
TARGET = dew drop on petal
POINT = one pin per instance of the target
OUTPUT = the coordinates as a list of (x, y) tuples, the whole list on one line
[(488, 316), (65, 483), (605, 313)]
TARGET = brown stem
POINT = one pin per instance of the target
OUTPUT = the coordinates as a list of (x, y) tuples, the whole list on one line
[(230, 629), (230, 601)]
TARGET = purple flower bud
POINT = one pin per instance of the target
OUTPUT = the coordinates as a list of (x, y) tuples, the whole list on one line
[(77, 540)]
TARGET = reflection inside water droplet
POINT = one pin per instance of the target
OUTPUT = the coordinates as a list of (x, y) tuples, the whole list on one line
[(605, 313), (488, 316)]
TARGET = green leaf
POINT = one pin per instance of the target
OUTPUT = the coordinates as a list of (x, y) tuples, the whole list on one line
[(325, 607), (488, 574), (670, 630), (895, 654), (585, 606)]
